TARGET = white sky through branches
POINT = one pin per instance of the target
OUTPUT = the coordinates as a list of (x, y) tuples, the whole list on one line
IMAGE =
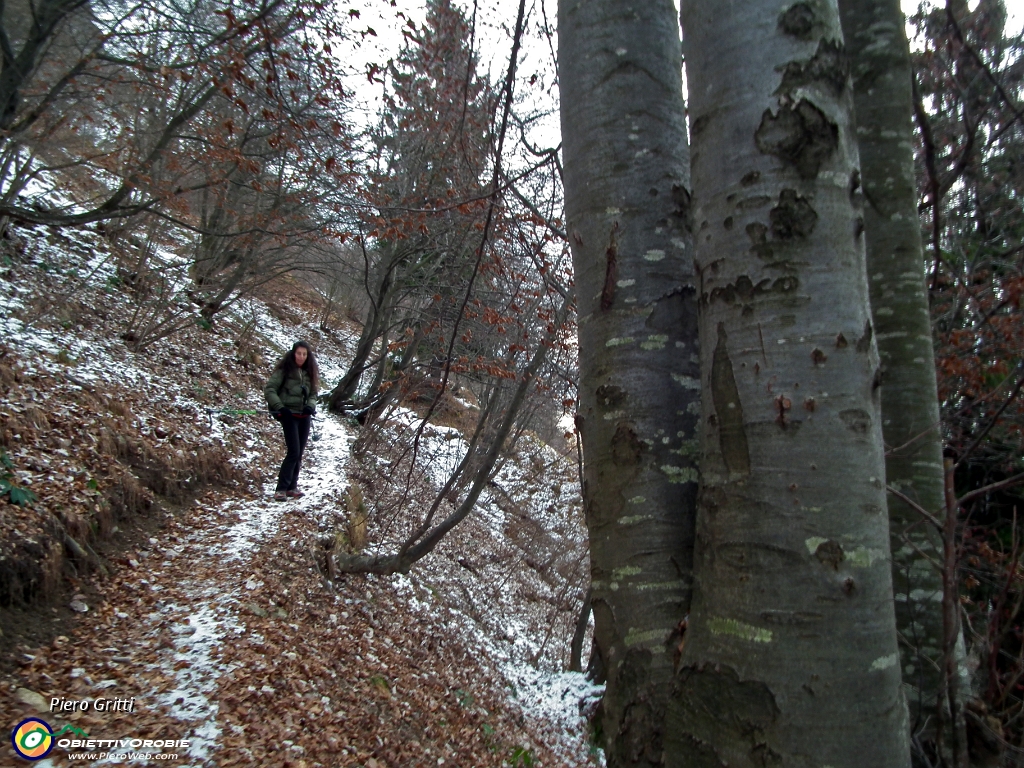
[(495, 20), (1014, 9)]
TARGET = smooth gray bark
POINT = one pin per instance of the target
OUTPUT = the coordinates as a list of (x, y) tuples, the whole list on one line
[(790, 656), (880, 59), (627, 209)]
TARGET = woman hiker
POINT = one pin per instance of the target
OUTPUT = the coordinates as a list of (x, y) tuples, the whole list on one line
[(291, 398)]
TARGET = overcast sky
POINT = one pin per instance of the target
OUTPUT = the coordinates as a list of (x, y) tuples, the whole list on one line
[(494, 22), (1015, 8)]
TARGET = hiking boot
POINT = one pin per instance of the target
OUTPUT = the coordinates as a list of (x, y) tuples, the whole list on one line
[(280, 496), (295, 493)]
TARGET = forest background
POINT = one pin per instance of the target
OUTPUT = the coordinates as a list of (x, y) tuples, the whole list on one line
[(418, 191)]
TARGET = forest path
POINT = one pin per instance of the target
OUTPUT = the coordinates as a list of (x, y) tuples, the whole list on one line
[(221, 632), (158, 632)]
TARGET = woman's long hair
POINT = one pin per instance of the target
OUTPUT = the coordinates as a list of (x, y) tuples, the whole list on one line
[(288, 364)]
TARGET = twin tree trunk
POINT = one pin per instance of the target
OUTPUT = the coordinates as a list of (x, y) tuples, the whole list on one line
[(790, 655), (376, 321), (627, 206), (880, 56)]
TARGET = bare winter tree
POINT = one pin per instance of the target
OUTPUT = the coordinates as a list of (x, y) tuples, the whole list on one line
[(426, 203), (108, 99), (500, 318)]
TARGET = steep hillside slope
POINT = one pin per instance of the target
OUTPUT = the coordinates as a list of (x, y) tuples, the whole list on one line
[(152, 564)]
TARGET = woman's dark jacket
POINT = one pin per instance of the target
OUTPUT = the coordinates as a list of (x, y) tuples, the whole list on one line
[(287, 391)]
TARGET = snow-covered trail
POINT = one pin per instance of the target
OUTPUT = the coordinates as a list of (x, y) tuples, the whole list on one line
[(223, 632), (199, 583), (321, 477), (217, 625), (217, 596)]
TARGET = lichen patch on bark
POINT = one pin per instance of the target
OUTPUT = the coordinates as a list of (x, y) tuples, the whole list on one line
[(720, 626), (680, 475), (885, 662)]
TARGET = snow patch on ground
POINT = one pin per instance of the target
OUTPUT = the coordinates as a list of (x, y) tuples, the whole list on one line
[(508, 612), (190, 699)]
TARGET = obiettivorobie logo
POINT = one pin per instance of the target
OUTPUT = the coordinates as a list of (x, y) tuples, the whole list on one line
[(33, 738)]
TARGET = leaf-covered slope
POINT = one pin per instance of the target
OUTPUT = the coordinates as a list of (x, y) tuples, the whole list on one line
[(205, 600)]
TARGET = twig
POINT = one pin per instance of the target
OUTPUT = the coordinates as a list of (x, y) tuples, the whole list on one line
[(485, 239), (894, 451), (928, 140), (951, 620), (991, 488), (1017, 113), (551, 226), (916, 507), (921, 553)]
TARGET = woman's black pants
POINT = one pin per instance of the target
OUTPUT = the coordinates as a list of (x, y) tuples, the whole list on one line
[(296, 432)]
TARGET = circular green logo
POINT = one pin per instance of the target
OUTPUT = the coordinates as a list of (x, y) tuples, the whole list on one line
[(32, 739)]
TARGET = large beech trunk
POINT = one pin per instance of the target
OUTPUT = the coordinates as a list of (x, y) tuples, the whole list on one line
[(880, 57), (627, 209), (790, 656)]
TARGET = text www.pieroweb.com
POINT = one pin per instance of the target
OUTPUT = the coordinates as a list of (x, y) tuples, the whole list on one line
[(122, 756)]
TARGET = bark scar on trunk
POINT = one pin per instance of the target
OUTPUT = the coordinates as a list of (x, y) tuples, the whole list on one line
[(799, 21), (627, 449), (726, 398), (611, 273), (793, 217), (801, 136), (610, 397), (864, 343), (713, 708), (829, 66), (638, 741)]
